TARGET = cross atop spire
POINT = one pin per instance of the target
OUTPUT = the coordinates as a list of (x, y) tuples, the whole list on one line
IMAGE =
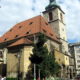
[(52, 1)]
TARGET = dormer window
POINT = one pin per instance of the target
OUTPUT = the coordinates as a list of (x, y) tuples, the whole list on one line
[(5, 39), (46, 23), (44, 30), (16, 36), (51, 34), (28, 32), (30, 23), (10, 30), (20, 26), (50, 16)]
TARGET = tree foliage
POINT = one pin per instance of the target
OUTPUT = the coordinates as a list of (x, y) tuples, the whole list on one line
[(44, 59)]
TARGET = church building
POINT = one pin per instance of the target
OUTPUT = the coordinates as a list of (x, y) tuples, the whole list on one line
[(17, 43)]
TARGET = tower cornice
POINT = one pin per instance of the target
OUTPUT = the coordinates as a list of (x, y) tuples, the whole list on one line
[(54, 9)]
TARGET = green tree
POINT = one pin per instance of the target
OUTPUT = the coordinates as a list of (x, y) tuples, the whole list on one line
[(44, 59)]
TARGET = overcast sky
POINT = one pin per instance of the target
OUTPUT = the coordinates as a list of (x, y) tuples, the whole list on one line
[(15, 11)]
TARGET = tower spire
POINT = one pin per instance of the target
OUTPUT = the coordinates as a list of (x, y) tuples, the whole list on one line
[(52, 4)]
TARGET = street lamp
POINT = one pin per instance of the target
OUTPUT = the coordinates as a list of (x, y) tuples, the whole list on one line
[(36, 60), (18, 67)]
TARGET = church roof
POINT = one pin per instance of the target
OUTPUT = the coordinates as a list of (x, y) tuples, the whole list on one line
[(29, 27), (20, 42)]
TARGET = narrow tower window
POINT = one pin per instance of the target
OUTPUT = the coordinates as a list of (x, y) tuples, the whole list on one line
[(61, 16), (50, 16)]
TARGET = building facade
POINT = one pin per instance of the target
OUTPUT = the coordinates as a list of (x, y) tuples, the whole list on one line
[(75, 52)]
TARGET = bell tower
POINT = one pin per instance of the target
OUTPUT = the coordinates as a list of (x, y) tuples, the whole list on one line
[(55, 16)]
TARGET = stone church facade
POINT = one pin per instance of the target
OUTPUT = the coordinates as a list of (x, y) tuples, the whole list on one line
[(17, 43)]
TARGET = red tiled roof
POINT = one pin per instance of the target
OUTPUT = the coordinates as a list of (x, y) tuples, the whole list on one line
[(20, 41), (28, 27)]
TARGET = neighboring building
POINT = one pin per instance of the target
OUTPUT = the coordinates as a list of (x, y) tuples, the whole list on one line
[(75, 52), (72, 67)]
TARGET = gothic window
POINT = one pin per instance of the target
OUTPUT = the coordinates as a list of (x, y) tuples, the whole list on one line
[(61, 17), (50, 16)]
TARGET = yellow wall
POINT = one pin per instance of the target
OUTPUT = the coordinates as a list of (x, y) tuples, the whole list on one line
[(27, 52), (61, 58), (12, 67), (12, 62)]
